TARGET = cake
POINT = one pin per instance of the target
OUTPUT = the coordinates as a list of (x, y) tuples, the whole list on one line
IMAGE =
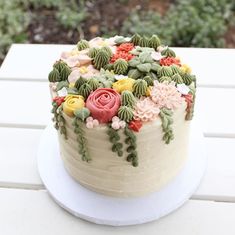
[(122, 108)]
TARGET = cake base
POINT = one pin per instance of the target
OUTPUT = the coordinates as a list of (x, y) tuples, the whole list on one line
[(101, 209)]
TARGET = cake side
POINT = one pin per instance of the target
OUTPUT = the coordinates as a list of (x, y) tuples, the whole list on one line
[(122, 108), (110, 175)]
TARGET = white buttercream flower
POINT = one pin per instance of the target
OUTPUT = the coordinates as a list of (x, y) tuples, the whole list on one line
[(183, 89), (161, 48), (119, 77), (156, 55), (62, 92)]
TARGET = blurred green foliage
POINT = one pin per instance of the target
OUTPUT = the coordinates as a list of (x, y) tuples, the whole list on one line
[(198, 23), (13, 24)]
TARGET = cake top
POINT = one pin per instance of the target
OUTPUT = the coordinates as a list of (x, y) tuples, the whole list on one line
[(121, 82)]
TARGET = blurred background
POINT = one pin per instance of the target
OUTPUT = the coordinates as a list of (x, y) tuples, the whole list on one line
[(186, 23)]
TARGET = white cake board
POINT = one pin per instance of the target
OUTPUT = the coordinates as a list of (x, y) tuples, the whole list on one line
[(101, 209)]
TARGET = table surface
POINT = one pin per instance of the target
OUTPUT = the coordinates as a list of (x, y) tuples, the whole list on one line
[(26, 207)]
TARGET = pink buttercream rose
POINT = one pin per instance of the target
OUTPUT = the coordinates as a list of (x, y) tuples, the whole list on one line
[(103, 104)]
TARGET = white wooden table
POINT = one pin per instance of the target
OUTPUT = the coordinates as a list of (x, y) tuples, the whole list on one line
[(25, 206)]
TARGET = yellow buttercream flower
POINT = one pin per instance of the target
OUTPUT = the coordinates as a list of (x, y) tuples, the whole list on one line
[(148, 91), (75, 51), (73, 102), (71, 85), (185, 68), (83, 70), (124, 84)]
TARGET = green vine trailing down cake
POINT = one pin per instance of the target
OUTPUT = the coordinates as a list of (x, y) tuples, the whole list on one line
[(122, 107)]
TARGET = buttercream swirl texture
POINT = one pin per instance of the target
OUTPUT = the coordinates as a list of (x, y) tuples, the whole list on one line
[(103, 104)]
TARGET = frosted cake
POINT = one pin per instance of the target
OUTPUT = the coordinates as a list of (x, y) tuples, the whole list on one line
[(122, 107)]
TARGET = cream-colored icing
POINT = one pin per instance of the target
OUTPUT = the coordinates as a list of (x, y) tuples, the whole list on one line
[(112, 175)]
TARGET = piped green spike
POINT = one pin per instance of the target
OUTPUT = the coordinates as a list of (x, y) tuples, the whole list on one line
[(93, 52), (80, 82), (101, 59), (164, 79), (85, 90), (154, 42), (59, 65), (54, 76), (125, 113), (149, 80), (135, 39), (165, 71), (168, 52), (128, 99), (83, 44), (108, 50), (120, 66), (144, 42), (94, 84), (65, 73), (140, 88), (177, 78)]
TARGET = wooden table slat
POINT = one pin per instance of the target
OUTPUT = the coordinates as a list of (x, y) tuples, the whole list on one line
[(26, 212)]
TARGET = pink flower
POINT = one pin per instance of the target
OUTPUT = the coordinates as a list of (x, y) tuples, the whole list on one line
[(91, 123), (76, 58), (166, 95), (103, 104), (117, 123), (86, 72), (146, 110)]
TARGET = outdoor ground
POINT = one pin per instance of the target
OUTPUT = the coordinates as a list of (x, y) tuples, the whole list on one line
[(46, 29)]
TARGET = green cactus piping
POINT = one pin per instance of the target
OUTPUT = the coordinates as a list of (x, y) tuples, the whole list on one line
[(83, 44), (144, 42), (175, 69), (149, 80), (85, 90), (177, 79), (168, 52), (108, 50), (59, 65), (80, 82), (140, 87), (120, 66), (54, 76), (128, 99), (165, 71), (187, 79), (101, 59), (135, 39), (65, 73), (108, 67), (125, 113), (94, 84), (93, 52), (154, 42), (164, 78)]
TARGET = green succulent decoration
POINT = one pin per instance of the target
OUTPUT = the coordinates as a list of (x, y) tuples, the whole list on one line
[(60, 72), (143, 65)]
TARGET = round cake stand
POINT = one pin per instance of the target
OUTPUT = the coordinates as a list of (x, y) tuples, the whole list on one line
[(101, 209)]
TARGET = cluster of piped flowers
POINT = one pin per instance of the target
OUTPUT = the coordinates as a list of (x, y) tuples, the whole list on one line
[(122, 83)]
